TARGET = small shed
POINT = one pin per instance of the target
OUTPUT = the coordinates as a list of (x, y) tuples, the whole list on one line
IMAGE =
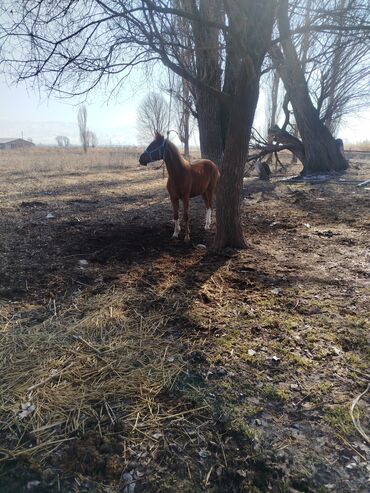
[(15, 143)]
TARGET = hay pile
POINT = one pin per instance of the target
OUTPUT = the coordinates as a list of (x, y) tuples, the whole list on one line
[(93, 365)]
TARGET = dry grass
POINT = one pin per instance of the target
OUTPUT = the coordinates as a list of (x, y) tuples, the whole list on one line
[(359, 146), (95, 363), (48, 160), (189, 372)]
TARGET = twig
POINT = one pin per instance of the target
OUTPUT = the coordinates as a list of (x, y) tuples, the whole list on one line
[(351, 446), (356, 420), (223, 451), (183, 413), (57, 374), (206, 480), (301, 400), (79, 338), (189, 472), (12, 454), (96, 351), (364, 183), (362, 373)]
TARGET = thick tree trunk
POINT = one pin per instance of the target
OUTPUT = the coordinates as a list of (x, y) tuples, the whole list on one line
[(207, 63), (251, 24), (209, 123), (229, 226), (321, 151), (225, 121)]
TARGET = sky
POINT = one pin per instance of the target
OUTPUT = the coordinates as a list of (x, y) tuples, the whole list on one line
[(27, 112), (24, 111)]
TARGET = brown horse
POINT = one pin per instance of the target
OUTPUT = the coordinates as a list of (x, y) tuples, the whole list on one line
[(184, 180)]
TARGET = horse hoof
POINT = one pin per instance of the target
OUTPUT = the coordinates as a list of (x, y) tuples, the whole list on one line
[(187, 239), (207, 227), (174, 236)]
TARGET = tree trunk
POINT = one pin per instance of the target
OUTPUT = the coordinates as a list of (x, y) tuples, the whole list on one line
[(207, 64), (229, 227), (209, 123), (186, 142), (273, 109), (251, 26), (274, 92), (321, 151), (225, 121)]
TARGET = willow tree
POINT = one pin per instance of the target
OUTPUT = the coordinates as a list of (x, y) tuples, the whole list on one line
[(329, 30), (229, 71), (337, 66)]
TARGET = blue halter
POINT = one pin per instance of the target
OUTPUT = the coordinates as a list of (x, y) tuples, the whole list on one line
[(157, 149)]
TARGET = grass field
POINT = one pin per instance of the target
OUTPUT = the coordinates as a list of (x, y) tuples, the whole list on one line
[(133, 363)]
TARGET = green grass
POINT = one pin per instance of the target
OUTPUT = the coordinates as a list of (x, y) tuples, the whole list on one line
[(338, 417)]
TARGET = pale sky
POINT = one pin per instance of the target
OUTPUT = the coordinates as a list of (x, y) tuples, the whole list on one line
[(43, 117), (24, 111)]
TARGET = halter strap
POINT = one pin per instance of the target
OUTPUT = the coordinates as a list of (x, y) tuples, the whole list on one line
[(159, 148)]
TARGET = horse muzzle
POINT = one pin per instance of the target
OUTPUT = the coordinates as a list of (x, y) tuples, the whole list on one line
[(143, 159)]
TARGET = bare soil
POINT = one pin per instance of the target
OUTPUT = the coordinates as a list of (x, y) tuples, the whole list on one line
[(271, 342)]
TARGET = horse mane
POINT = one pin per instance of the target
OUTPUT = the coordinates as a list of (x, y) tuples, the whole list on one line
[(174, 152)]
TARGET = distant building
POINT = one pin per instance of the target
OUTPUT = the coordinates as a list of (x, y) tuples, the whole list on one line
[(15, 143)]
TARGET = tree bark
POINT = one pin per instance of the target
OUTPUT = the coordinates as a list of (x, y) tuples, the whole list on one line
[(251, 26), (229, 226), (274, 92), (321, 151), (207, 65), (209, 124)]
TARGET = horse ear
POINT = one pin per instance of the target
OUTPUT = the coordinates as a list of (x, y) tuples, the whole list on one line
[(158, 136)]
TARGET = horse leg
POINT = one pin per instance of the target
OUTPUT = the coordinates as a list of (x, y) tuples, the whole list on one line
[(207, 197), (185, 201), (175, 206)]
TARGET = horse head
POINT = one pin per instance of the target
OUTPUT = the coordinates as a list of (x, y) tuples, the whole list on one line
[(154, 151)]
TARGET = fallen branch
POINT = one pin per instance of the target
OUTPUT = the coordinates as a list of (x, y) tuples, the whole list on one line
[(268, 149), (279, 140), (284, 138)]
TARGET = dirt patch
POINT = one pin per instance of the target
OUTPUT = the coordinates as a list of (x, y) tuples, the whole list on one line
[(195, 372)]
